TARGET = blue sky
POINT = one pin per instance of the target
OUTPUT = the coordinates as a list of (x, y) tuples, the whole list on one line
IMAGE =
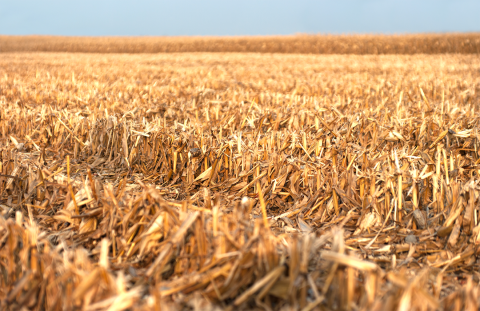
[(227, 18)]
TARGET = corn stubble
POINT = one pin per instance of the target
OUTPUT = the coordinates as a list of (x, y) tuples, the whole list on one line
[(235, 181), (433, 43)]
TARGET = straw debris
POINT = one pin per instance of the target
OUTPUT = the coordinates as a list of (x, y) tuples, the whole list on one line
[(239, 181)]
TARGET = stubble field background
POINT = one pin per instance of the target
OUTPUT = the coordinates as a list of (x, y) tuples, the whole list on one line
[(239, 181)]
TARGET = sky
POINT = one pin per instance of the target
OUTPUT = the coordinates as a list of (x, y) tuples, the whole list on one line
[(233, 18)]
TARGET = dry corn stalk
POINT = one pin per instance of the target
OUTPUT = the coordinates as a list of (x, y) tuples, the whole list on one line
[(239, 181)]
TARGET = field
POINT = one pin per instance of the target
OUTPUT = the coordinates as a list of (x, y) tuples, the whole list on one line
[(460, 43), (211, 181)]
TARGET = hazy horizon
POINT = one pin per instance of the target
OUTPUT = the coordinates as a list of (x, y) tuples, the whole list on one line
[(261, 35)]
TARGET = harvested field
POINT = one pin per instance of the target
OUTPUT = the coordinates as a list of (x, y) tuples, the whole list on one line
[(462, 43), (212, 181)]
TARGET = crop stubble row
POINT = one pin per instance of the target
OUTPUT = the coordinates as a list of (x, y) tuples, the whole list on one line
[(434, 43), (239, 181)]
